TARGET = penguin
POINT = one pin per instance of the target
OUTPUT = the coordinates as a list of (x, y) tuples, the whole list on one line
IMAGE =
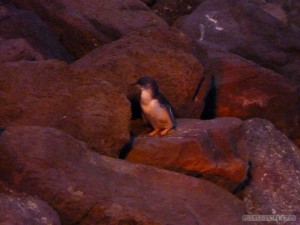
[(155, 107)]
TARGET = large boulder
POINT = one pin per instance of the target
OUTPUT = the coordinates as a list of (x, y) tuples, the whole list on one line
[(48, 93), (247, 30), (16, 50), (198, 148), (163, 53), (84, 25), (83, 186), (275, 170), (16, 23), (26, 211), (245, 90)]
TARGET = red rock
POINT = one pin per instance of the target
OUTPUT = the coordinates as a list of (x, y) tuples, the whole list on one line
[(196, 147), (245, 29), (245, 90), (16, 50), (16, 23), (162, 53), (274, 188), (82, 185), (47, 93), (26, 211), (83, 26)]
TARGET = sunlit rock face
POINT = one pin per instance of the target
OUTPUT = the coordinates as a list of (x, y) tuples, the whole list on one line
[(87, 188), (248, 30), (205, 149), (243, 89)]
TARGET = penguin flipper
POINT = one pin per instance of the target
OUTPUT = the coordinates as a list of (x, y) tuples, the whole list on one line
[(170, 112)]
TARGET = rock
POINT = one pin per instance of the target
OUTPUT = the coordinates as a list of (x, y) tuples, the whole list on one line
[(16, 24), (26, 211), (16, 50), (247, 30), (83, 26), (170, 10), (163, 53), (48, 93), (199, 148), (83, 186), (245, 90), (274, 188)]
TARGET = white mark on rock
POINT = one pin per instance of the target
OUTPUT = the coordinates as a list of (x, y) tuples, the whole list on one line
[(75, 193), (215, 22), (202, 32)]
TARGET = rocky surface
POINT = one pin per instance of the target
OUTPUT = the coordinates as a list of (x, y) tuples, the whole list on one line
[(17, 23), (274, 188), (48, 93), (245, 90), (206, 149), (83, 186), (26, 211), (17, 49), (83, 26), (164, 54), (247, 30)]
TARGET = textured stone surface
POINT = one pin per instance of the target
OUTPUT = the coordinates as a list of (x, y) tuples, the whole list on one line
[(274, 188), (245, 90), (26, 211), (84, 25), (17, 23), (81, 185), (48, 93), (16, 50), (199, 148), (163, 53), (246, 29)]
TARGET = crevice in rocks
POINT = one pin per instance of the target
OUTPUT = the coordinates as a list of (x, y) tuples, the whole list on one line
[(198, 88), (136, 111), (209, 110), (127, 148), (238, 190), (150, 3), (1, 130)]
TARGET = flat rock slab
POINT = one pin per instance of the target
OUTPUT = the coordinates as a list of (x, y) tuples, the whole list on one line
[(87, 188), (196, 147)]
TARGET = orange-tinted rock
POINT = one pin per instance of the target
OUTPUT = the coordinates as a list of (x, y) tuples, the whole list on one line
[(82, 25), (197, 147), (162, 53), (82, 185), (16, 50), (16, 23), (26, 211), (47, 93), (274, 188), (246, 29), (245, 90)]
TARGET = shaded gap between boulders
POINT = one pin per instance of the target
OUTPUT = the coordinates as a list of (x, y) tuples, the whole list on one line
[(209, 110), (127, 148), (245, 183)]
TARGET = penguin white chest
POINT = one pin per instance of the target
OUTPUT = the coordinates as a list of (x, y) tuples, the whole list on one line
[(155, 113)]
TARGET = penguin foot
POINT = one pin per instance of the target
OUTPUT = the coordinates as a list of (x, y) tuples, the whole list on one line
[(164, 132), (153, 133)]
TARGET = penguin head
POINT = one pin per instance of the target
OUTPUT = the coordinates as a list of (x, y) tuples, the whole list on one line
[(147, 83)]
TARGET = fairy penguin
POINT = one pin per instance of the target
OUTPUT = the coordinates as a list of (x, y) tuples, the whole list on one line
[(155, 107)]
